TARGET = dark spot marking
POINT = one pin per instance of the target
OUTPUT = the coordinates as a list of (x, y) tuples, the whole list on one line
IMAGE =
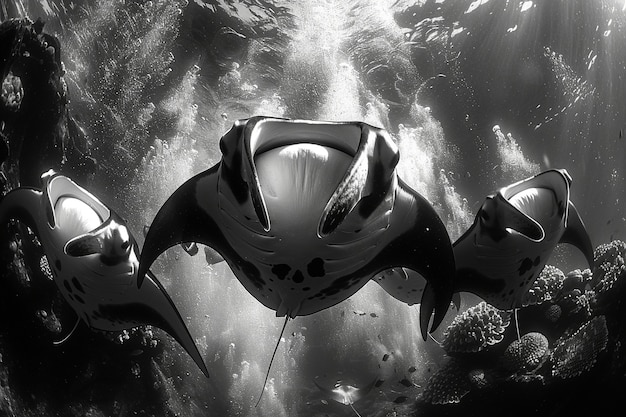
[(400, 287), (67, 285), (77, 285), (298, 277), (281, 271), (525, 266), (306, 289), (79, 299), (315, 268), (57, 264)]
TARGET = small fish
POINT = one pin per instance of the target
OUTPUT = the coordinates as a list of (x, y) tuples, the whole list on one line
[(373, 315), (400, 399), (385, 357), (514, 233), (412, 369)]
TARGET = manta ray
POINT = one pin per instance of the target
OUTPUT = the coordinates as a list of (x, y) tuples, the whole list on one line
[(305, 213), (514, 233), (94, 259)]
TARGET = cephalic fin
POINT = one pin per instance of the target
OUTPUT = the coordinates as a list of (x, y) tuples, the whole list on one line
[(372, 168), (576, 234), (87, 244), (509, 217)]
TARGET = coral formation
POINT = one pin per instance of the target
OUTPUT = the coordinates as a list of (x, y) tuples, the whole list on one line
[(449, 384), (609, 265), (476, 329), (526, 354), (546, 286), (579, 352), (567, 319)]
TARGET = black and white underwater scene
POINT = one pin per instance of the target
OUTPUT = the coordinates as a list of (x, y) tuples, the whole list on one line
[(312, 208)]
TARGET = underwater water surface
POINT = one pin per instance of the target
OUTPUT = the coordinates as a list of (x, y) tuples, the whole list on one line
[(476, 94)]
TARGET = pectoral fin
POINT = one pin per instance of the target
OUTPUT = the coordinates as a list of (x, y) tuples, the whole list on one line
[(576, 234), (159, 310), (187, 216)]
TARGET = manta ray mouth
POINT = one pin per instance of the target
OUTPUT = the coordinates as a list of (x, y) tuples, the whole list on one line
[(538, 203), (299, 166), (297, 181), (74, 217)]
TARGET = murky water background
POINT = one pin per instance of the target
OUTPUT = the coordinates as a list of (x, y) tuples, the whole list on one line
[(156, 83)]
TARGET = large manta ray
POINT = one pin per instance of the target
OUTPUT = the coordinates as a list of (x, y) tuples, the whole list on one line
[(515, 231), (93, 258), (305, 213)]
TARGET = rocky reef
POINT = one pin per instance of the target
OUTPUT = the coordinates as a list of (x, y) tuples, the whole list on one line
[(571, 345)]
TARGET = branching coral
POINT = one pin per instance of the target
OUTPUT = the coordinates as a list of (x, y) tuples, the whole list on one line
[(577, 279), (545, 287), (578, 353), (526, 354), (476, 329), (609, 265), (576, 301), (449, 384)]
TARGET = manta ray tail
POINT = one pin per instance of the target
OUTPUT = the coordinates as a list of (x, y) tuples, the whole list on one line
[(267, 374), (576, 234), (66, 338)]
